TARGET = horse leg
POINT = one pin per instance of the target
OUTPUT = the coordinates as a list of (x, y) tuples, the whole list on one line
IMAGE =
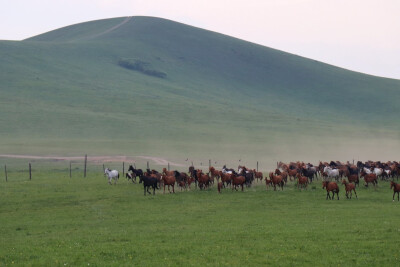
[(355, 193), (173, 188), (242, 187), (328, 195)]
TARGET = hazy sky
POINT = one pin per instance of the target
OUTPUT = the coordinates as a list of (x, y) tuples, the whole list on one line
[(361, 35)]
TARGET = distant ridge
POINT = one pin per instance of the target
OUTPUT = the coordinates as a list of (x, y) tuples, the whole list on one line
[(67, 90)]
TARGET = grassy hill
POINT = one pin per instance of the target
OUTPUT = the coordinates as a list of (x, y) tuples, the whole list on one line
[(149, 86)]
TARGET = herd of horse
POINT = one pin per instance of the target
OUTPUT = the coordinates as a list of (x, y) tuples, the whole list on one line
[(303, 173)]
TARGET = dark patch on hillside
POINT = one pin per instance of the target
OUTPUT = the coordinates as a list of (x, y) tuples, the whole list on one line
[(141, 66)]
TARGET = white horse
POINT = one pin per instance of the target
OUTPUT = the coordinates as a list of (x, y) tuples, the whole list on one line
[(378, 172), (367, 171), (332, 173), (112, 174)]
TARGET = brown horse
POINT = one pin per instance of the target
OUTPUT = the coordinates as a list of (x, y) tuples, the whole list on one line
[(349, 187), (213, 173), (170, 181), (276, 180), (238, 181), (258, 175), (292, 174), (331, 186), (396, 189), (226, 178), (219, 187), (369, 178), (302, 181), (203, 179), (169, 173), (182, 185), (353, 178), (267, 182)]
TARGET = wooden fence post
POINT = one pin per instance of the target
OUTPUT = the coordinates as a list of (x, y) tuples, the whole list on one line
[(148, 165), (84, 172), (134, 165), (5, 170), (192, 164), (257, 166), (30, 171), (209, 163), (123, 168), (104, 169), (70, 172), (168, 166)]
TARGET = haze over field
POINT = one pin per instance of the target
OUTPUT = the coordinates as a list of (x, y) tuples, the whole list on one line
[(149, 86)]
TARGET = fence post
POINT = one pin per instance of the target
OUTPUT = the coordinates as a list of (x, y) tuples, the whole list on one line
[(104, 169), (148, 165), (168, 166), (84, 172), (30, 171), (257, 166), (70, 172), (192, 164), (5, 170), (134, 165), (123, 168)]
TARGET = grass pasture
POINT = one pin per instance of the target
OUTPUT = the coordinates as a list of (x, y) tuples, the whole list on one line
[(58, 221)]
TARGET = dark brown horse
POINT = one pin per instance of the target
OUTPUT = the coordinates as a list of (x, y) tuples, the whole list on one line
[(349, 187), (331, 187), (396, 189)]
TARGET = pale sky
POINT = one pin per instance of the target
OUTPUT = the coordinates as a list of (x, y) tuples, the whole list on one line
[(361, 35)]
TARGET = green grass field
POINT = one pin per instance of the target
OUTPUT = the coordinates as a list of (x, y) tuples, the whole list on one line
[(55, 220)]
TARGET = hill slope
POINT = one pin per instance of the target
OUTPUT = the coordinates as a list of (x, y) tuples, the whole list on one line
[(142, 85)]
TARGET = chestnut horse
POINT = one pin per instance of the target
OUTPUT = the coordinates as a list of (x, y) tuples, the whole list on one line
[(369, 178), (213, 173), (331, 186), (267, 182), (226, 178), (238, 181), (276, 180), (302, 181), (219, 187), (349, 187), (203, 179), (169, 173), (396, 189), (258, 175), (353, 178), (170, 181)]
